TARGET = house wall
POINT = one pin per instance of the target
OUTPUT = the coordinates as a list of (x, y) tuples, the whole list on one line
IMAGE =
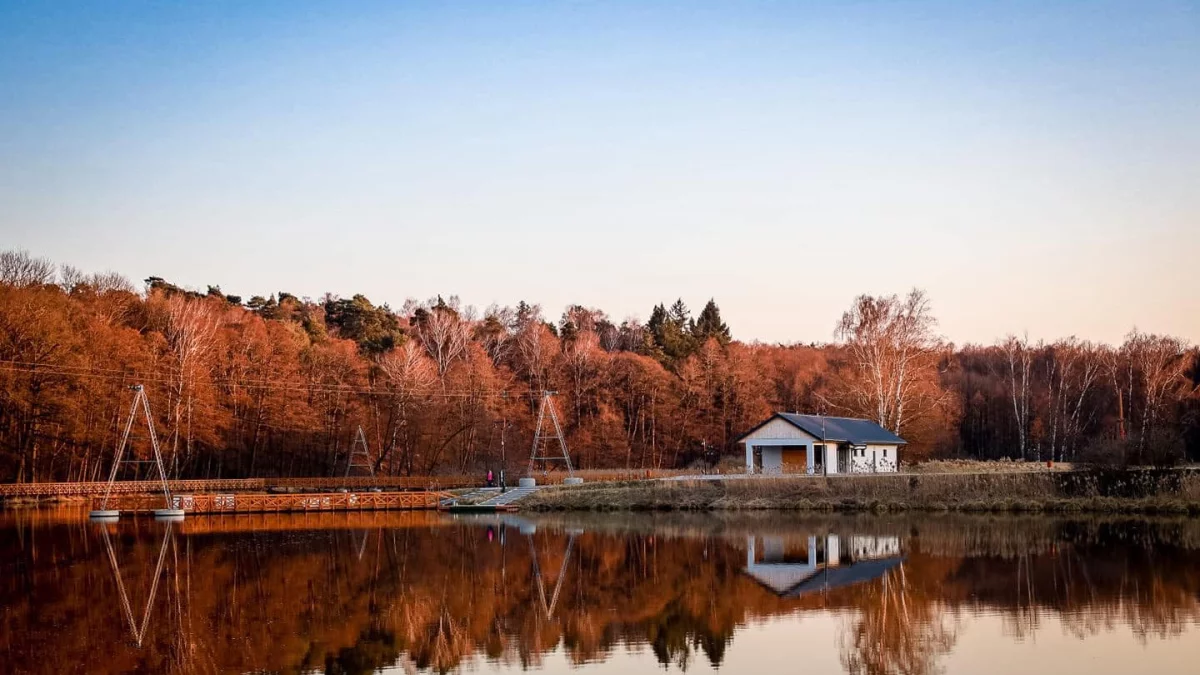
[(778, 429), (772, 459), (874, 461), (770, 441)]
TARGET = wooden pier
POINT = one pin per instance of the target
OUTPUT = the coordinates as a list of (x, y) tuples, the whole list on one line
[(221, 503), (87, 489)]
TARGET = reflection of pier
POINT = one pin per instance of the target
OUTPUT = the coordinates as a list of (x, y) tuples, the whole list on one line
[(138, 630), (791, 567), (318, 520)]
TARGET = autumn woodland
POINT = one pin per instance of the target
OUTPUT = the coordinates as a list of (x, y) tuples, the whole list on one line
[(277, 385)]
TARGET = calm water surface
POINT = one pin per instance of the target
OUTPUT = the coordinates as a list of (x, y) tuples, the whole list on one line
[(362, 593)]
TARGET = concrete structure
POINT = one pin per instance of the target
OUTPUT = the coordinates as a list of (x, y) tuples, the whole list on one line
[(819, 445)]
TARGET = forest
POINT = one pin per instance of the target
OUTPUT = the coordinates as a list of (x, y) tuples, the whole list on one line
[(278, 385)]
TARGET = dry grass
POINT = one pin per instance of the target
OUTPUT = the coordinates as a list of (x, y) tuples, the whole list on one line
[(980, 466), (1009, 492)]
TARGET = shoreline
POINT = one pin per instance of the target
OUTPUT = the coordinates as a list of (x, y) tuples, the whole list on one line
[(1173, 492)]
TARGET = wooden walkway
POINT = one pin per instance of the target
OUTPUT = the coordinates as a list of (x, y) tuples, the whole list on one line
[(235, 485), (278, 503), (225, 485)]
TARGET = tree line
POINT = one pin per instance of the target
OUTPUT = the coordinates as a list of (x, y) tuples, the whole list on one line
[(279, 385)]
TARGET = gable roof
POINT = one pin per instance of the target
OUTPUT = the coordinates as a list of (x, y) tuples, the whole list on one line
[(829, 578), (851, 430), (790, 580)]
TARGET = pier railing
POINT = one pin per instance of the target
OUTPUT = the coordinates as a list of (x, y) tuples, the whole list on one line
[(87, 489)]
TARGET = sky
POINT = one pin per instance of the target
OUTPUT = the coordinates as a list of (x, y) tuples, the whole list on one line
[(1034, 166)]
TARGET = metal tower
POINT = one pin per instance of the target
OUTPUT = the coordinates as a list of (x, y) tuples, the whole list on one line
[(540, 437), (139, 399), (360, 458)]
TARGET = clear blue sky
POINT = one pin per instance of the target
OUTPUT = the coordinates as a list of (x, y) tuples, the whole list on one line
[(1033, 165)]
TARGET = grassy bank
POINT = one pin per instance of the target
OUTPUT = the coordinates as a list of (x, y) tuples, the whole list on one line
[(1169, 492)]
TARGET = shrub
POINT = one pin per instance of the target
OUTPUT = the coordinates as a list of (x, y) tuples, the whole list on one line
[(1164, 449), (1108, 453)]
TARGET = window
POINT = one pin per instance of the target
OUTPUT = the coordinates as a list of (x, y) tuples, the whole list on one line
[(885, 453)]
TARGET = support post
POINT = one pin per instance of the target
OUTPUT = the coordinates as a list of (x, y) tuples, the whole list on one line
[(749, 457)]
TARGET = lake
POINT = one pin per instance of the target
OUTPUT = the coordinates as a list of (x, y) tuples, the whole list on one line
[(628, 593)]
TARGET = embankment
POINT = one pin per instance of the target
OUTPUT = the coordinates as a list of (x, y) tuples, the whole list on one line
[(1129, 491)]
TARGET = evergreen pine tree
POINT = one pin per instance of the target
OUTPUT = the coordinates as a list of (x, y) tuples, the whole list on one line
[(710, 325)]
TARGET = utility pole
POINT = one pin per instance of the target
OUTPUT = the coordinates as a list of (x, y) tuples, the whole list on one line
[(503, 455), (824, 448)]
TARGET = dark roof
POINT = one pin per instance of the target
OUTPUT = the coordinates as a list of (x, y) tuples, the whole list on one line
[(830, 578), (837, 429)]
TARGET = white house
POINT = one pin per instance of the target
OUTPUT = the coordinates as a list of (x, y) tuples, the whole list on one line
[(792, 567), (819, 445)]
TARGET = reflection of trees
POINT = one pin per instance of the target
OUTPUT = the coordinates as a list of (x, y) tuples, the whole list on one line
[(900, 629), (436, 598)]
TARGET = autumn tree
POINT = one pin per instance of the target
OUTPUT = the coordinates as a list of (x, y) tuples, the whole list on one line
[(894, 354)]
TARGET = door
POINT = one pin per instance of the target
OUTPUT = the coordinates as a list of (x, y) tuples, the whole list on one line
[(843, 455)]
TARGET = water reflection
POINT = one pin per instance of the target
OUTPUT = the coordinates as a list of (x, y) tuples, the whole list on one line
[(136, 629), (418, 592)]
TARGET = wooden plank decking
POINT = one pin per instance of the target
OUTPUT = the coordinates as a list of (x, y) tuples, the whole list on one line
[(236, 485), (278, 503)]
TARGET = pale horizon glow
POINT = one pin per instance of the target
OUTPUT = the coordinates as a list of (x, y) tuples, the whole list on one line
[(1033, 166)]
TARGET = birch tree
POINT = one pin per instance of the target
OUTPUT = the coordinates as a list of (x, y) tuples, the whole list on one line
[(444, 334), (895, 351), (1160, 363), (410, 376), (190, 331), (1017, 371)]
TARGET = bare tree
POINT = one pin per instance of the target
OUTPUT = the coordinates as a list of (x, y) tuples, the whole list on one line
[(1074, 368), (410, 376), (190, 332), (536, 346), (584, 363), (1160, 362), (1017, 372), (496, 332), (443, 333), (895, 350), (18, 268)]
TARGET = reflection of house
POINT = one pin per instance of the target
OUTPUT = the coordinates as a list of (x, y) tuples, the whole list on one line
[(814, 444), (794, 567)]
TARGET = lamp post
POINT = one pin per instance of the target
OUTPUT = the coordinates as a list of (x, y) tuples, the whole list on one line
[(503, 456)]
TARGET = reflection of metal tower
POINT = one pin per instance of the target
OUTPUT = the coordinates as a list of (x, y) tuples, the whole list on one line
[(548, 607), (541, 437), (138, 630), (360, 458), (139, 399)]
